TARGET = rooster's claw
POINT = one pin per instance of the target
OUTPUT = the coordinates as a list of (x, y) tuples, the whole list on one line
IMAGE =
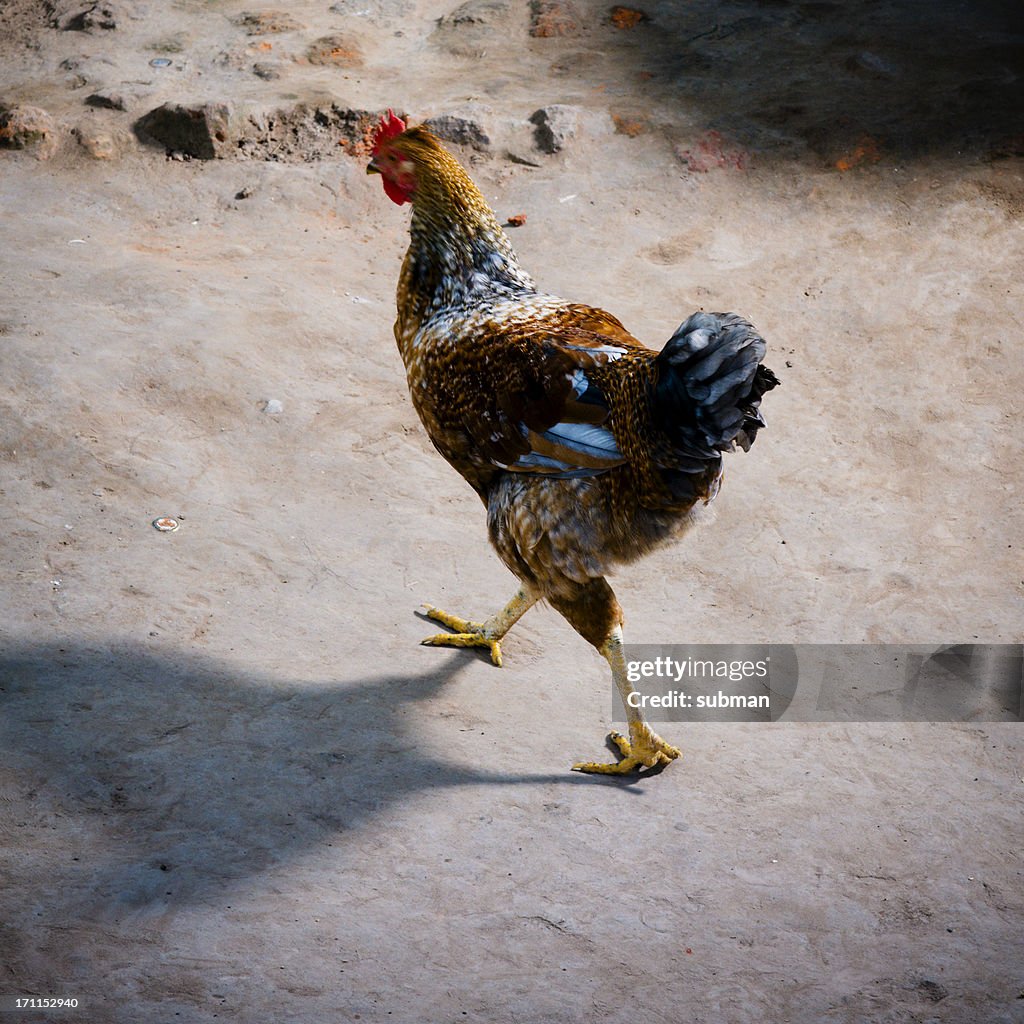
[(647, 750), (467, 634)]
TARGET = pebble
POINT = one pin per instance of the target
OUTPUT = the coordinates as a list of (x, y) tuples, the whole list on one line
[(88, 15), (201, 130), (377, 11), (336, 50), (552, 18), (475, 27), (265, 23), (872, 64), (556, 125), (478, 12), (518, 158), (99, 145), (109, 99), (463, 131), (86, 70)]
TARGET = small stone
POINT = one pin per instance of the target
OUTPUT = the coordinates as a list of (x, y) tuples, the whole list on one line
[(932, 990), (519, 158), (462, 131), (550, 18), (867, 63), (710, 151), (268, 72), (99, 145), (303, 133), (109, 99), (478, 12), (273, 407), (377, 11), (340, 50), (626, 17), (86, 71), (476, 27), (555, 126), (169, 44), (266, 23), (201, 131), (25, 127), (631, 127), (88, 15)]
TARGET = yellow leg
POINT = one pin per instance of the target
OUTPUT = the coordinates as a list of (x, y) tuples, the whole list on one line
[(644, 748), (481, 634)]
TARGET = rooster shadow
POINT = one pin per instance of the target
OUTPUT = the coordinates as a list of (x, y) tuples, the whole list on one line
[(192, 774)]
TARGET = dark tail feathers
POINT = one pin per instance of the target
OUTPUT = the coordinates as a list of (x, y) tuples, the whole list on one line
[(709, 387)]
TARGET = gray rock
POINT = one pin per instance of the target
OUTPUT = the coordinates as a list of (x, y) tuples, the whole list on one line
[(520, 158), (305, 133), (94, 71), (268, 72), (872, 64), (476, 27), (202, 130), (265, 23), (556, 125), (88, 15), (109, 99), (478, 12), (461, 130), (380, 12)]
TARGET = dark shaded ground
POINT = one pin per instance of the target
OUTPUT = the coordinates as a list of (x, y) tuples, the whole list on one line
[(268, 768), (917, 79), (177, 819)]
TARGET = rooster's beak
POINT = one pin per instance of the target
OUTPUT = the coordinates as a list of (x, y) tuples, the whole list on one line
[(372, 168)]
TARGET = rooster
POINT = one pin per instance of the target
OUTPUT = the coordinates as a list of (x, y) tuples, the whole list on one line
[(587, 448)]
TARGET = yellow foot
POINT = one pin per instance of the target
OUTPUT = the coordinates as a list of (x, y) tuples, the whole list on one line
[(648, 750), (467, 634)]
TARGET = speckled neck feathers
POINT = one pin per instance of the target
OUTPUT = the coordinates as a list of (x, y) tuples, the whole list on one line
[(458, 253)]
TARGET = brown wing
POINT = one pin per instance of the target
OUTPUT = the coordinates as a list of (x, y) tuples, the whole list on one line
[(525, 400), (563, 419), (599, 321)]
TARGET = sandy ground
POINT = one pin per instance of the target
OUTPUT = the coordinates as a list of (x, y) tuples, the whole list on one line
[(233, 786)]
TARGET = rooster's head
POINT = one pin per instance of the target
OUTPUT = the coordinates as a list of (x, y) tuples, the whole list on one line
[(388, 160)]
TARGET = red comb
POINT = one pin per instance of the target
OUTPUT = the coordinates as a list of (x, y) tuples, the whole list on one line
[(390, 126)]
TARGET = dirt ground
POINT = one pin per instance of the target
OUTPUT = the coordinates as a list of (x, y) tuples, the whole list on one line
[(233, 786)]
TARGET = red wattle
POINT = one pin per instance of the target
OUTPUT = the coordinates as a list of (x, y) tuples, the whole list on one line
[(395, 193)]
